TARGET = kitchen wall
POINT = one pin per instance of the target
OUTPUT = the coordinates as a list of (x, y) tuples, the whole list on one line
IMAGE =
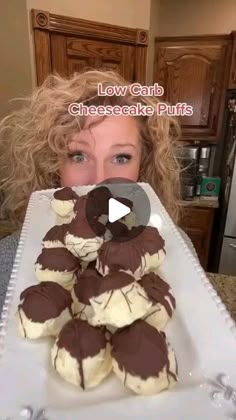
[(15, 70), (191, 17)]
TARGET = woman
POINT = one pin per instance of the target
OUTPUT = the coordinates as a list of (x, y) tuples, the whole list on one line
[(43, 146)]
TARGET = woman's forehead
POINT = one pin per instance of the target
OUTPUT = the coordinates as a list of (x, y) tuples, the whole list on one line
[(122, 128)]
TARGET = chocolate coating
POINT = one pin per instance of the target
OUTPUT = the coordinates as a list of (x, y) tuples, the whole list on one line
[(81, 341), (98, 200), (115, 281), (118, 229), (45, 301), (56, 233), (58, 259), (80, 205), (82, 228), (141, 350), (157, 289), (91, 265), (126, 202), (87, 285), (65, 194), (126, 254)]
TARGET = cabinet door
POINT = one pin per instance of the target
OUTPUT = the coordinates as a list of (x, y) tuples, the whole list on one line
[(66, 45), (70, 54), (194, 70), (197, 224)]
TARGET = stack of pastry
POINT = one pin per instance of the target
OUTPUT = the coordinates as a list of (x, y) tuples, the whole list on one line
[(100, 295)]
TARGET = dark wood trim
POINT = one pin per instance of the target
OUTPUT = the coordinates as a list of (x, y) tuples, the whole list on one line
[(59, 43), (232, 72), (141, 63), (42, 55), (203, 38), (56, 23), (220, 127)]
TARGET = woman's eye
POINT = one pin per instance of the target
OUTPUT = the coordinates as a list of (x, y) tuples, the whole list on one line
[(122, 158), (77, 157)]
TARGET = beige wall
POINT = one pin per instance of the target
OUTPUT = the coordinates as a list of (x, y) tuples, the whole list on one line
[(201, 17), (131, 13), (15, 74)]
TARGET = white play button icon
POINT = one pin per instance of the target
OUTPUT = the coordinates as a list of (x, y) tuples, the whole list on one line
[(116, 210)]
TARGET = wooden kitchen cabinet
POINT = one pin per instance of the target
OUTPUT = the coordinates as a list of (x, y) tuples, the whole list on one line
[(197, 223), (195, 70), (66, 45)]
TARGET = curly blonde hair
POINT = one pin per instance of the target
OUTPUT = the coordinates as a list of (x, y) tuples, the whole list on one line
[(34, 141)]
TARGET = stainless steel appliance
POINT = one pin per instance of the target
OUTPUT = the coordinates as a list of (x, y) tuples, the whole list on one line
[(188, 158), (203, 166), (223, 242), (194, 161), (228, 251), (204, 159)]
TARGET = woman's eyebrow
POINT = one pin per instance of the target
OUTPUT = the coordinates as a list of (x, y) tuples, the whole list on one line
[(123, 145), (83, 142), (75, 144)]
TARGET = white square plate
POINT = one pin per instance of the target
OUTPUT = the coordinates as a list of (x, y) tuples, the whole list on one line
[(201, 332)]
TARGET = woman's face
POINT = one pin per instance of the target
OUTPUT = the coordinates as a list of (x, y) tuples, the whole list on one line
[(109, 149)]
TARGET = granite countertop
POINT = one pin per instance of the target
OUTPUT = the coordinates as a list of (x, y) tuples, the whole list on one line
[(200, 202), (226, 289)]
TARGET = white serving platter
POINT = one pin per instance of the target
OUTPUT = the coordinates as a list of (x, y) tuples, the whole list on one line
[(201, 332)]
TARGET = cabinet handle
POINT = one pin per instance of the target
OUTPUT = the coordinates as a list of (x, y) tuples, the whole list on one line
[(232, 246)]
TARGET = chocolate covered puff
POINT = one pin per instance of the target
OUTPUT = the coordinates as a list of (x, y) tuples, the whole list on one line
[(94, 205), (98, 203), (55, 237), (138, 253), (84, 237), (163, 302), (57, 265), (63, 202), (143, 359), (115, 230), (86, 287), (119, 301), (82, 354), (43, 310)]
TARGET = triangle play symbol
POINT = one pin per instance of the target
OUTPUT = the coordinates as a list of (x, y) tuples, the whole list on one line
[(116, 210)]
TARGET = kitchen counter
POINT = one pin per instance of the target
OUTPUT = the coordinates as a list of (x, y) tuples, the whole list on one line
[(200, 202), (226, 289)]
